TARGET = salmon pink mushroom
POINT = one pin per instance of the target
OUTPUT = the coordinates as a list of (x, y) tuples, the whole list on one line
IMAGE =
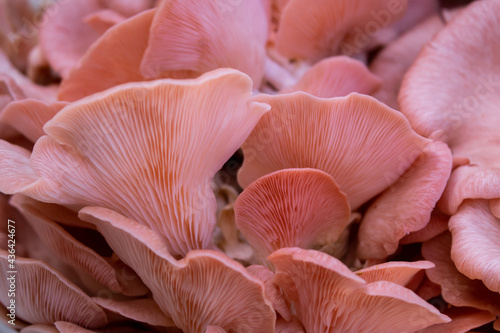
[(202, 35), (66, 248), (364, 145), (457, 289), (457, 101), (205, 288), (97, 71), (134, 148), (311, 30), (407, 205), (48, 297), (328, 297), (28, 116), (475, 249), (401, 273), (291, 207)]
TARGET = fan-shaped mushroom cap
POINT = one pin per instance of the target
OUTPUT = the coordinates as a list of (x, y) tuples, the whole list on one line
[(29, 115), (76, 254), (135, 148), (142, 310), (336, 77), (475, 249), (202, 35), (364, 145), (205, 288), (457, 289), (407, 205), (315, 29), (291, 208), (462, 320), (461, 109), (97, 71), (400, 272), (64, 36), (48, 297), (328, 297)]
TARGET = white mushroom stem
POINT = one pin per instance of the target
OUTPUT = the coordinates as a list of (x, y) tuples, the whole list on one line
[(277, 75)]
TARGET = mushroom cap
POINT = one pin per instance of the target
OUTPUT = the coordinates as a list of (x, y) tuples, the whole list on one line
[(438, 224), (64, 37), (291, 208), (336, 77), (400, 272), (407, 205), (328, 297), (48, 297), (74, 253), (475, 249), (144, 310), (202, 35), (312, 30), (97, 71), (135, 148), (456, 288), (205, 288), (28, 116), (450, 93), (363, 144), (462, 320)]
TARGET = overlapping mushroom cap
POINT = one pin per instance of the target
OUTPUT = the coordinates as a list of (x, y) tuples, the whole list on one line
[(205, 288), (202, 35), (364, 145), (135, 148), (328, 297), (289, 208)]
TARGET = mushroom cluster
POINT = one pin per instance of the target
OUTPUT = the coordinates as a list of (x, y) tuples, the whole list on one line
[(249, 166)]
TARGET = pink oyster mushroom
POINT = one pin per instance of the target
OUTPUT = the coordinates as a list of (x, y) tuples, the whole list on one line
[(84, 166)]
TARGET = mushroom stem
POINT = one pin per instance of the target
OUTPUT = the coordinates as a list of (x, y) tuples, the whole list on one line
[(277, 75)]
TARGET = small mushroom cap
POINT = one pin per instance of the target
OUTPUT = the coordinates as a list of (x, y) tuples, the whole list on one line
[(135, 148), (364, 145), (48, 297), (336, 77), (475, 249), (328, 297), (205, 288), (28, 116), (202, 35), (398, 272), (407, 205), (457, 289), (291, 208), (312, 30), (97, 71)]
